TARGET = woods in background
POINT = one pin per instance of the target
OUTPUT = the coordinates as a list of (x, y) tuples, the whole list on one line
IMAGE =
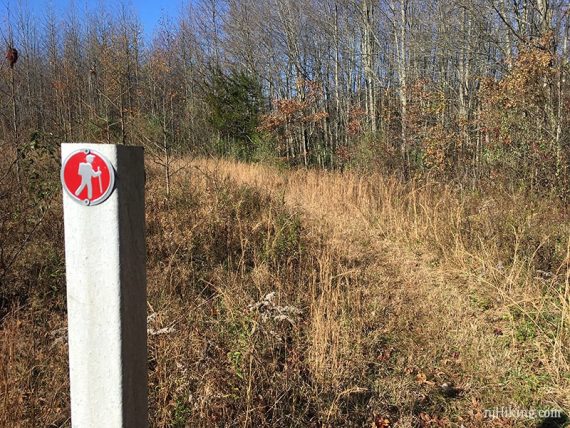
[(455, 89)]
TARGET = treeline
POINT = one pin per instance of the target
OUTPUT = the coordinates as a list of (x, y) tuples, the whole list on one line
[(461, 89)]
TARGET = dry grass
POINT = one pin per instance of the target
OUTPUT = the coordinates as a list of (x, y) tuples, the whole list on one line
[(478, 280), (307, 298)]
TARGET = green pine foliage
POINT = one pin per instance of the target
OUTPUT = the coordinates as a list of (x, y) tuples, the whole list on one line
[(235, 101)]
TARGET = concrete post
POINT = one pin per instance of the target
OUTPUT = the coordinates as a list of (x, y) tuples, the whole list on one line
[(106, 296)]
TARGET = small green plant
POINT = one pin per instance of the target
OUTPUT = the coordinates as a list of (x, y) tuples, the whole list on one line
[(181, 414), (239, 334), (526, 331), (236, 358)]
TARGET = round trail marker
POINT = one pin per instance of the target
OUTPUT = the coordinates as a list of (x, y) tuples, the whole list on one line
[(87, 177)]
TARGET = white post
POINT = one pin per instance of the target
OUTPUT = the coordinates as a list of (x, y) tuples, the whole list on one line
[(106, 294)]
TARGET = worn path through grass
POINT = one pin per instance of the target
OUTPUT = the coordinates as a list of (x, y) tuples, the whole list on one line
[(442, 350)]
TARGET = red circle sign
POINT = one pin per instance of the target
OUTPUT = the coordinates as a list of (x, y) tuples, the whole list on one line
[(87, 177)]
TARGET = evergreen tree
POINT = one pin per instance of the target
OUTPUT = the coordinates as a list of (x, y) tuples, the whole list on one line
[(235, 101)]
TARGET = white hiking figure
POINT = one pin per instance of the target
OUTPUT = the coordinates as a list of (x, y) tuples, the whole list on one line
[(87, 173)]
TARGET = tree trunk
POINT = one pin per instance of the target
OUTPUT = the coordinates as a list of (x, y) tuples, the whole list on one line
[(368, 59)]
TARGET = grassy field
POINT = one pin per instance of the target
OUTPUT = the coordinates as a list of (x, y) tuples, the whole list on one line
[(307, 298)]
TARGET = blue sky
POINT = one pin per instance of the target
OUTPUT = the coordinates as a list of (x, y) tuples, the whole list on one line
[(149, 12)]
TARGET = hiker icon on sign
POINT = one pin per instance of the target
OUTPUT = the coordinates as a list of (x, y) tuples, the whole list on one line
[(87, 173), (87, 177)]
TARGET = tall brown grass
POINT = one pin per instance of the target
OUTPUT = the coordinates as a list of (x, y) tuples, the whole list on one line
[(308, 298), (494, 254)]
